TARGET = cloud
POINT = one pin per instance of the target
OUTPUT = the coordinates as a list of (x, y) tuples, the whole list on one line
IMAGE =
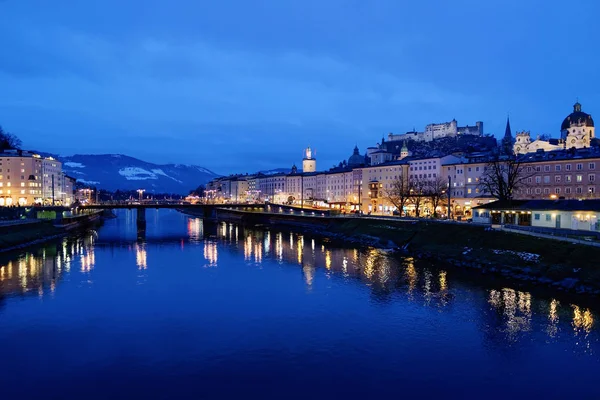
[(153, 79), (204, 96)]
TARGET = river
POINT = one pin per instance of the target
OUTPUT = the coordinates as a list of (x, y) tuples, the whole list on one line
[(199, 310)]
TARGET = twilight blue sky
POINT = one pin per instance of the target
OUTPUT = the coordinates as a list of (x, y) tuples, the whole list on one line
[(240, 85)]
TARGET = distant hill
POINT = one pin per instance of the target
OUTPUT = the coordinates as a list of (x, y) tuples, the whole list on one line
[(117, 171)]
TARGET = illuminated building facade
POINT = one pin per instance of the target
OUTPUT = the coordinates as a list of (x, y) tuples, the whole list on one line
[(20, 178)]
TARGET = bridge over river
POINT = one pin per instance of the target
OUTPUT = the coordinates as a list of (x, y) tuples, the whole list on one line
[(210, 212)]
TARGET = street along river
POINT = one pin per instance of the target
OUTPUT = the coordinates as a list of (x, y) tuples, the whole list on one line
[(198, 310)]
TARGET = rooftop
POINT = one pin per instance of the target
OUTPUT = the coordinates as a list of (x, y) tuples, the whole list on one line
[(534, 205)]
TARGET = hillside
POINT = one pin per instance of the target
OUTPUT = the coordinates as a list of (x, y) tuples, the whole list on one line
[(117, 171)]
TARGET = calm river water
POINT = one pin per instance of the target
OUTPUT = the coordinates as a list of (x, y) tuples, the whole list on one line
[(199, 310)]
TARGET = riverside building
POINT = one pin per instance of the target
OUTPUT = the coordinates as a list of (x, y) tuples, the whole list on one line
[(26, 178)]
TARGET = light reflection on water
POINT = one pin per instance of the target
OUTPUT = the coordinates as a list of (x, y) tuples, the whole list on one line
[(505, 318), (40, 270)]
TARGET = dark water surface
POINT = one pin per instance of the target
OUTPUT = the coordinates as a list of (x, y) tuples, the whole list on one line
[(218, 311)]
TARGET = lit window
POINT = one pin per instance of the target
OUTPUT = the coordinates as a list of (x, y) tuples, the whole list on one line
[(579, 178)]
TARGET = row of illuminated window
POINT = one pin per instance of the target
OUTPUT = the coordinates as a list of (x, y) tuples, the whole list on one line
[(558, 178), (558, 167), (567, 190), (23, 191), (22, 170), (371, 171), (434, 175), (426, 167)]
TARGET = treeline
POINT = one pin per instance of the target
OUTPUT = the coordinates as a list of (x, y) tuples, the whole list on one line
[(199, 191), (9, 141)]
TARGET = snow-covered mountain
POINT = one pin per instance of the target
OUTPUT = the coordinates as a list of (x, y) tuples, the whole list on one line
[(117, 171)]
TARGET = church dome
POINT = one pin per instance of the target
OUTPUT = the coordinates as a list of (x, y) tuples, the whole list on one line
[(577, 117), (356, 159)]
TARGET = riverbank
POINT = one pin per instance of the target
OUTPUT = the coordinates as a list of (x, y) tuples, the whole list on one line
[(561, 266), (25, 233)]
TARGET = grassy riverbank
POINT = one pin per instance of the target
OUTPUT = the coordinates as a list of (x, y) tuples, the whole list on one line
[(567, 266), (23, 233), (20, 234)]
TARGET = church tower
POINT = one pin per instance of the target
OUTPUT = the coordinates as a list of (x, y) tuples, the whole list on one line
[(577, 129), (309, 163), (507, 141)]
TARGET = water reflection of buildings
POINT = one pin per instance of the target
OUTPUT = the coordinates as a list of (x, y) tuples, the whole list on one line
[(583, 320), (195, 228), (515, 307), (210, 253), (514, 317), (509, 314), (39, 271), (381, 272), (141, 256)]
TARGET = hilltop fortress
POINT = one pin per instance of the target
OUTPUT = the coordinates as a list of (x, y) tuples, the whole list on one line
[(438, 131)]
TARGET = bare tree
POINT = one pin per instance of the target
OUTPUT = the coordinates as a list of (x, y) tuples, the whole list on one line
[(416, 190), (434, 191), (503, 176), (398, 193), (8, 140)]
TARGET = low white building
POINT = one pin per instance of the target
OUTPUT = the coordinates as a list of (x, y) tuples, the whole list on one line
[(548, 214)]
